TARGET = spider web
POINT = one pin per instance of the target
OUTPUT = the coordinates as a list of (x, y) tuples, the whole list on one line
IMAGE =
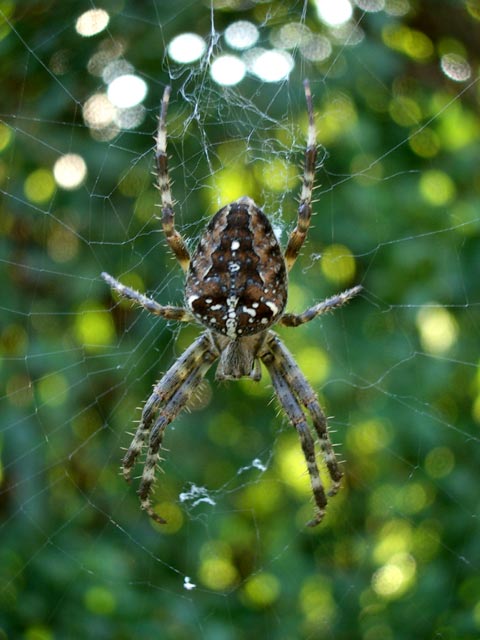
[(396, 211)]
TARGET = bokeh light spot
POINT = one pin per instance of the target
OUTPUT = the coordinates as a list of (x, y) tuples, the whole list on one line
[(414, 498), (473, 8), (38, 632), (439, 462), (39, 186), (455, 67), (19, 391), (317, 604), (261, 590), (368, 437), (5, 136), (216, 570), (172, 514), (272, 66), (418, 45), (98, 111), (425, 143), (316, 48), (241, 34), (394, 537), (339, 115), (13, 340), (437, 188), (396, 577), (100, 601), (291, 462), (405, 111), (62, 244), (186, 47), (228, 70), (414, 44), (92, 22), (93, 327), (262, 498), (438, 329), (334, 12), (53, 389), (397, 7), (229, 184), (314, 363), (338, 264), (70, 171), (127, 91), (291, 35), (278, 175), (370, 6)]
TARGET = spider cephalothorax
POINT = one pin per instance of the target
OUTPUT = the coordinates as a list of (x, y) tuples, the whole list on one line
[(236, 287)]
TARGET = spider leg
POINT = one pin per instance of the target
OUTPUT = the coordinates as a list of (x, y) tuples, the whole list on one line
[(168, 413), (174, 239), (296, 381), (168, 312), (191, 360), (298, 235), (297, 417), (274, 360), (338, 300), (173, 392)]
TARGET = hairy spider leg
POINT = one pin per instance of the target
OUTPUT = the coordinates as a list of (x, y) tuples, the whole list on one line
[(174, 239), (299, 385), (165, 311), (329, 304), (298, 235), (168, 413), (296, 416), (191, 361)]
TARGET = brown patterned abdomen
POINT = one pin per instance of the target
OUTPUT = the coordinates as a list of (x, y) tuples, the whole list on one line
[(237, 283)]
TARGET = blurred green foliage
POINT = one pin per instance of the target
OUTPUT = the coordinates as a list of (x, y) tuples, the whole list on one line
[(398, 555)]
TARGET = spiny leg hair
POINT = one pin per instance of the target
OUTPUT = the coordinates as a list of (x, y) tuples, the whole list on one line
[(298, 235), (290, 372), (170, 395), (296, 416), (174, 239), (165, 311), (334, 302), (292, 389)]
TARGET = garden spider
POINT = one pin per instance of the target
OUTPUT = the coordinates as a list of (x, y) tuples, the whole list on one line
[(236, 287)]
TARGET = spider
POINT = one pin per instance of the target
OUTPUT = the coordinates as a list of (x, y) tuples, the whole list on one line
[(236, 287)]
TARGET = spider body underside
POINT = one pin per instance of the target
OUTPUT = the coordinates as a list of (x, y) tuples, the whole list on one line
[(236, 287)]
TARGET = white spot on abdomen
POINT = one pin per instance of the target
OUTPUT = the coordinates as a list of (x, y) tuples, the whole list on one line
[(231, 322), (272, 306), (191, 300), (251, 312)]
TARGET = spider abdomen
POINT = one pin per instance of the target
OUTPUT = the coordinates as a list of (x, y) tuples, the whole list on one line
[(237, 280)]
